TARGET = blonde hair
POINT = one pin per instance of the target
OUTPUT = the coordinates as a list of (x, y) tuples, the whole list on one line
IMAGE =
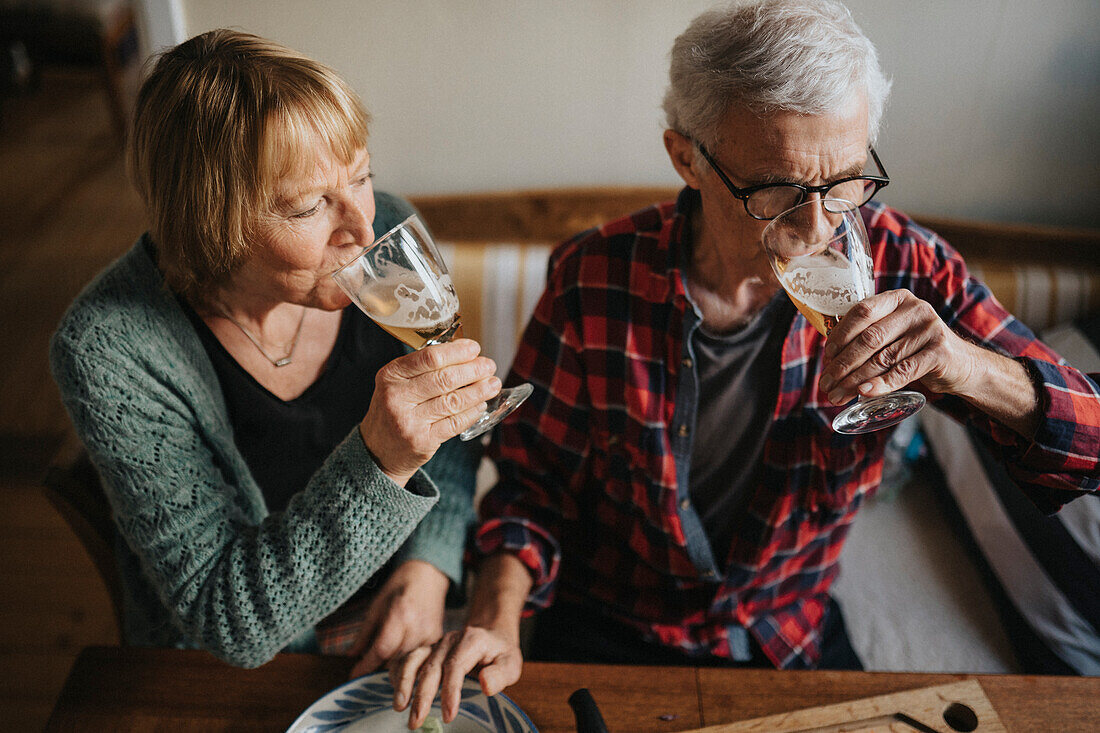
[(803, 56), (219, 121)]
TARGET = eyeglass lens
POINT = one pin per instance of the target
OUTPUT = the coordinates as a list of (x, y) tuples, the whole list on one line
[(770, 202)]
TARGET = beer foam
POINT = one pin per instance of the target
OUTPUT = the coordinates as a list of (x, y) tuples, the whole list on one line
[(419, 306), (826, 282)]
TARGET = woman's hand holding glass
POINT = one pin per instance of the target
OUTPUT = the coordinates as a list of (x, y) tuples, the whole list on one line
[(402, 283), (424, 399)]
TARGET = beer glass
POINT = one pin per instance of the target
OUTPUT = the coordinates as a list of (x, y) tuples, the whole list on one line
[(402, 283), (820, 253)]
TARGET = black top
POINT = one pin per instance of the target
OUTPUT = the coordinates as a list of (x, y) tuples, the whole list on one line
[(285, 442), (738, 388)]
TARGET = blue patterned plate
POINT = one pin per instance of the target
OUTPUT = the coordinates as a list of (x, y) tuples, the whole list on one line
[(365, 705)]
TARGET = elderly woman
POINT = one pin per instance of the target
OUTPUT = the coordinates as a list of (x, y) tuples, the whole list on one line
[(268, 452)]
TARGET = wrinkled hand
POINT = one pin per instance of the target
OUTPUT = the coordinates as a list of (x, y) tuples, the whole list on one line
[(406, 614), (418, 675), (423, 399), (890, 340)]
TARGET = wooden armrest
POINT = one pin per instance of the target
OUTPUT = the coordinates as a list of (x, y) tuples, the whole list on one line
[(1018, 243), (72, 486)]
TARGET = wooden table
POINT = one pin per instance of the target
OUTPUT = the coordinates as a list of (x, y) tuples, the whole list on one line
[(131, 689)]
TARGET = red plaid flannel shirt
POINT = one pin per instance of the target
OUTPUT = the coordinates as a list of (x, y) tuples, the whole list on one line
[(593, 489)]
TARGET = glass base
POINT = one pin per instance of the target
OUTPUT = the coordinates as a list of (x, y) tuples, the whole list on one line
[(452, 332), (499, 407), (876, 413)]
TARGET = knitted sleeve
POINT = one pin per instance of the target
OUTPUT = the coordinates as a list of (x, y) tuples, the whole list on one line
[(236, 583), (441, 538)]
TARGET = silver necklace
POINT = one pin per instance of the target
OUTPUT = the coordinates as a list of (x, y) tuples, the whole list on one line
[(289, 358)]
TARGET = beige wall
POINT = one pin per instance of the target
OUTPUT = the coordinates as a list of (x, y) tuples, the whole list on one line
[(994, 111)]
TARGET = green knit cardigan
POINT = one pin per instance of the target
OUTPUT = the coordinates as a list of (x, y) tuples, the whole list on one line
[(204, 563)]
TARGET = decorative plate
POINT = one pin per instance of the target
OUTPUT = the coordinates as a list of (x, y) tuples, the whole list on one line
[(365, 705)]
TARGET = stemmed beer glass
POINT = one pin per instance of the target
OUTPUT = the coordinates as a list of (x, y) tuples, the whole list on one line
[(820, 252), (402, 283)]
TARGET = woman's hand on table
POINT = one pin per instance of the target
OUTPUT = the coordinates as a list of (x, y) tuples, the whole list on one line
[(442, 666), (489, 644), (406, 614), (423, 399)]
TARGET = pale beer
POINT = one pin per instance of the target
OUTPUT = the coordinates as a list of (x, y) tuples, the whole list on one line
[(411, 314), (822, 287), (427, 333)]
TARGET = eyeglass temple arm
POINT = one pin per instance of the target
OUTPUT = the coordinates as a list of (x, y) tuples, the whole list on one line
[(736, 191), (878, 162)]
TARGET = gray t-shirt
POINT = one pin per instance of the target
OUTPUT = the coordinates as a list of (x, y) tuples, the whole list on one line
[(738, 386)]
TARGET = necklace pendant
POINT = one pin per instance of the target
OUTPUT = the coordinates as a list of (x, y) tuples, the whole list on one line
[(259, 347)]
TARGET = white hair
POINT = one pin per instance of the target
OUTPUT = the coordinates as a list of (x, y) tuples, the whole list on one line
[(802, 56)]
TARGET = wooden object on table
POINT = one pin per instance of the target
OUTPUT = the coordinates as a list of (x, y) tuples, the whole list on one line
[(1023, 703), (960, 706)]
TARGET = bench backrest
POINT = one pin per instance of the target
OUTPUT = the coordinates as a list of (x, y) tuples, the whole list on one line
[(497, 244)]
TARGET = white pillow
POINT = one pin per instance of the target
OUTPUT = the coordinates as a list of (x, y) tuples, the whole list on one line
[(1047, 567)]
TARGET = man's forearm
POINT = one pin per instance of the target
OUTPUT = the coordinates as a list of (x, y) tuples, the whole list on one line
[(1002, 388), (500, 592)]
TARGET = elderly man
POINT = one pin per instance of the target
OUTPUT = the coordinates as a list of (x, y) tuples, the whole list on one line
[(673, 490)]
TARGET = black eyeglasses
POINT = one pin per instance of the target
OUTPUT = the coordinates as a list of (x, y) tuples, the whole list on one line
[(767, 201)]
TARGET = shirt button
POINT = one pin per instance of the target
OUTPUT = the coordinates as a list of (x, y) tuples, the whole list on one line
[(709, 574), (685, 504), (687, 363), (683, 431)]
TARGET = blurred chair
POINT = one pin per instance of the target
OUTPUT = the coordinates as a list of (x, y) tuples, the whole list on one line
[(73, 487), (100, 33)]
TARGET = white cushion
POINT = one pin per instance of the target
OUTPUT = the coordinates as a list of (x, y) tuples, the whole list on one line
[(1048, 567)]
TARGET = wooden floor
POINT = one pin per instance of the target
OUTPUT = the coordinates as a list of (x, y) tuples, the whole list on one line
[(66, 209)]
